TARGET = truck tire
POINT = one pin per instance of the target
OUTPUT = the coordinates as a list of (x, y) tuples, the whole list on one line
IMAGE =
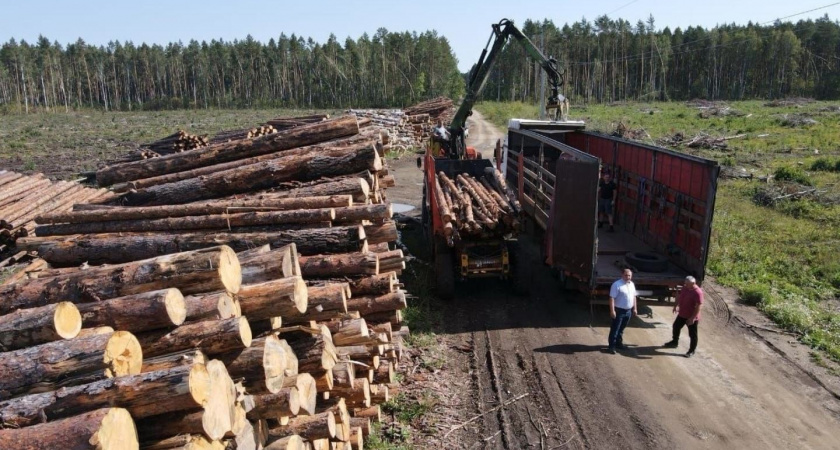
[(444, 270), (647, 261)]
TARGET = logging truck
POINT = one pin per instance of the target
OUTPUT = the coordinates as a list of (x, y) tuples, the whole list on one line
[(470, 220), (663, 213)]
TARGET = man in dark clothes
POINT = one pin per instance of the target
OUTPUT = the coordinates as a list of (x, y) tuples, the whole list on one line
[(607, 193), (688, 313)]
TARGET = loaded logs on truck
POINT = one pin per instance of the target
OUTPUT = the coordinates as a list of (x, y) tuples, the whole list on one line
[(255, 319)]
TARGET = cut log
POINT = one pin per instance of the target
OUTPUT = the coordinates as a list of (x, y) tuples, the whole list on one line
[(384, 283), (28, 327), (338, 407), (41, 368), (344, 373), (206, 270), (356, 214), (102, 429), (213, 337), (384, 232), (168, 361), (283, 403), (293, 442), (271, 265), (315, 352), (343, 264), (307, 391), (384, 374), (206, 222), (220, 153), (211, 306), (139, 312), (257, 176), (284, 297), (373, 413), (361, 422), (349, 332), (354, 186), (143, 395), (261, 367), (183, 442), (325, 303), (370, 304), (120, 248), (317, 426)]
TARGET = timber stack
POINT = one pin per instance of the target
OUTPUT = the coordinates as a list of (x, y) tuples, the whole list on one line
[(410, 128), (284, 123), (482, 206), (260, 314), (177, 142), (247, 133), (23, 197)]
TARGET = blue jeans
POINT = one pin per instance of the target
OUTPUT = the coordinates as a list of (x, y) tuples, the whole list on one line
[(622, 318)]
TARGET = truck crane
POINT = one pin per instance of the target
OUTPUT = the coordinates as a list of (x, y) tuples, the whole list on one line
[(477, 256)]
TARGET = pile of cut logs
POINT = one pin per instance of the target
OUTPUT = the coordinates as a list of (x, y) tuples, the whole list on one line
[(284, 123), (23, 197), (439, 109), (481, 205), (177, 142), (409, 128), (247, 133), (245, 298)]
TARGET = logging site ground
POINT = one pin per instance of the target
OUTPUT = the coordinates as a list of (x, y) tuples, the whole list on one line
[(491, 369)]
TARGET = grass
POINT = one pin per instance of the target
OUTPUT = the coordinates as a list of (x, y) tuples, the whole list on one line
[(782, 256)]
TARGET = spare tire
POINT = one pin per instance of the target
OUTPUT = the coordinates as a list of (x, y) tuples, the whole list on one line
[(647, 261)]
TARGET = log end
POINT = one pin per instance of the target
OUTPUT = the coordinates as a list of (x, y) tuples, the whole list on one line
[(199, 383), (123, 355), (116, 432), (274, 364), (67, 320), (245, 331), (301, 295), (229, 270), (219, 409), (176, 308)]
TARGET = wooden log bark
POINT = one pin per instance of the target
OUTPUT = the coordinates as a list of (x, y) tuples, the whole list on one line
[(143, 395), (261, 367), (206, 222), (213, 337), (170, 360), (354, 186), (317, 426), (284, 297), (370, 304), (349, 332), (29, 327), (283, 403), (206, 270), (151, 310), (307, 391), (315, 352), (384, 232), (121, 248), (257, 176), (338, 407), (184, 442), (292, 442), (101, 429), (220, 153), (361, 422), (343, 264), (384, 283), (344, 373), (356, 214), (384, 374), (210, 306), (373, 413), (42, 367), (324, 303), (271, 265)]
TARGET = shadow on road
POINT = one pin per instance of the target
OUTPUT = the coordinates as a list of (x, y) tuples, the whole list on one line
[(632, 351)]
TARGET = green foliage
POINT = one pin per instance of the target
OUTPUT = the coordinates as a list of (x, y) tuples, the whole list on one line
[(826, 165), (754, 294), (794, 174), (385, 436), (407, 409)]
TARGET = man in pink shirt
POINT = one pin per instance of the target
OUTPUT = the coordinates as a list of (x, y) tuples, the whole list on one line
[(688, 313)]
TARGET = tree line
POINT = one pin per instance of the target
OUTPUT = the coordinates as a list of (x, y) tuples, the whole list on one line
[(606, 60), (612, 60), (383, 70)]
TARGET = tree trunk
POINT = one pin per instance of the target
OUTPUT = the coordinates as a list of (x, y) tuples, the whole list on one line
[(206, 270), (29, 327), (384, 283), (213, 337), (42, 367), (354, 186), (284, 297), (212, 306), (121, 248), (384, 232), (344, 264), (280, 263), (143, 395), (170, 360), (262, 366), (370, 304), (283, 403), (215, 154), (139, 312), (356, 214), (101, 429), (257, 176), (207, 222)]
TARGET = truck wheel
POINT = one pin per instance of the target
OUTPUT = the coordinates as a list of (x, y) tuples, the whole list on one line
[(647, 261), (444, 270)]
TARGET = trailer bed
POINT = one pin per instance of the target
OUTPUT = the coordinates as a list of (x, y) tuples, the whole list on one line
[(612, 246)]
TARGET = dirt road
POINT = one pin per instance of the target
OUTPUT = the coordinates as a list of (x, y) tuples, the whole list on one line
[(544, 354)]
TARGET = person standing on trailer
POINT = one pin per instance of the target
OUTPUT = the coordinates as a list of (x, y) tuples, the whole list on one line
[(622, 308), (688, 313), (607, 194)]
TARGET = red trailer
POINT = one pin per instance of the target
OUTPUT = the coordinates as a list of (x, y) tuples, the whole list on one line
[(663, 213)]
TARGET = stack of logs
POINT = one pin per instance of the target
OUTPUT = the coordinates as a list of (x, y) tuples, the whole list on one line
[(409, 128), (254, 277), (284, 123), (482, 205), (247, 133), (439, 109), (23, 197), (177, 142)]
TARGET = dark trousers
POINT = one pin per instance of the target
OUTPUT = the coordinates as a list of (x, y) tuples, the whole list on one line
[(692, 332), (622, 318)]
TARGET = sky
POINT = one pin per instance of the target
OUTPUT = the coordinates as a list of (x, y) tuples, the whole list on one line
[(466, 23)]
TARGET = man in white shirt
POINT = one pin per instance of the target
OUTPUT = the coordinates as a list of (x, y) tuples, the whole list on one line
[(622, 308)]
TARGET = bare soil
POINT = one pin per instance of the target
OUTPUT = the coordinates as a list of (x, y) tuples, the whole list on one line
[(749, 386)]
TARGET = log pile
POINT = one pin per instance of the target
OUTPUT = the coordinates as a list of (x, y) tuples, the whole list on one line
[(284, 123), (410, 128), (247, 133), (478, 206), (177, 142), (264, 316), (23, 197)]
